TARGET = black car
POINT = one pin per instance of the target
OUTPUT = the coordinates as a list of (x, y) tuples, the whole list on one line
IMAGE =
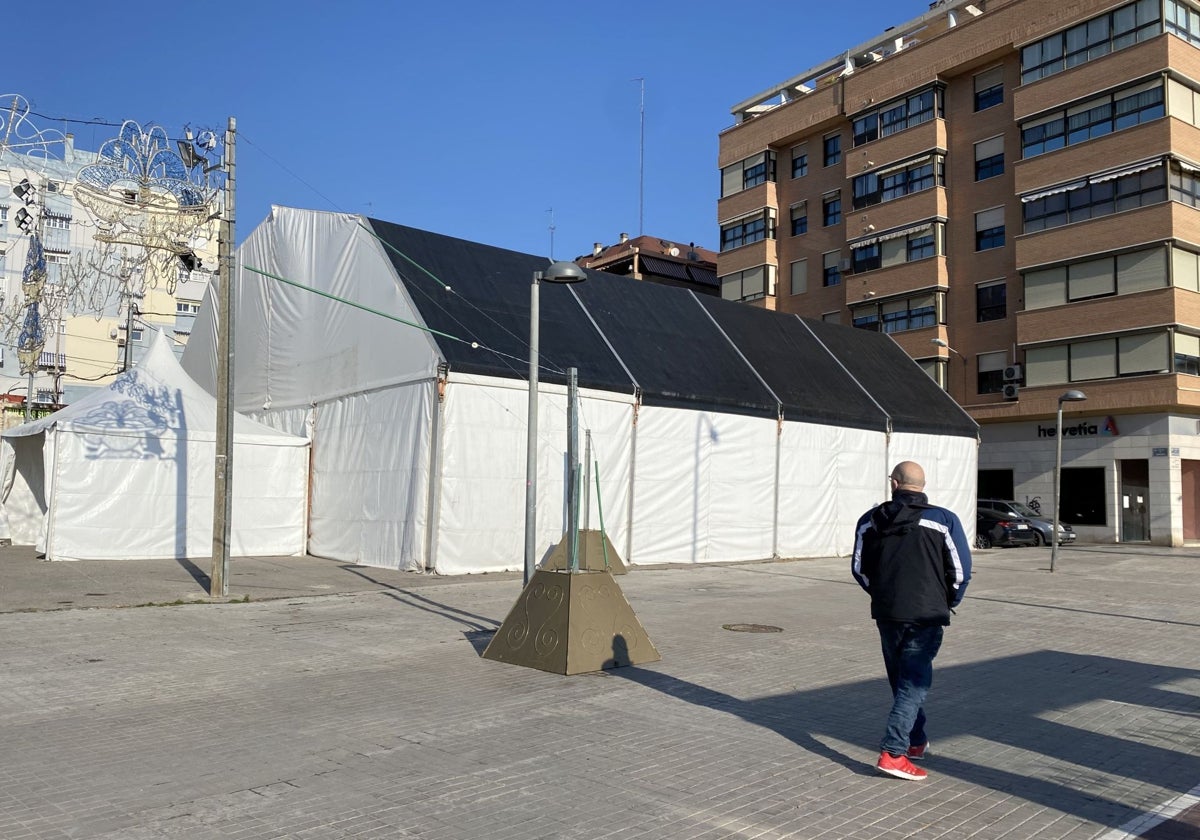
[(993, 528), (1042, 525)]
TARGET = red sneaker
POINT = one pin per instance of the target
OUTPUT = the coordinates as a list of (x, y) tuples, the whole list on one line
[(916, 752), (899, 766)]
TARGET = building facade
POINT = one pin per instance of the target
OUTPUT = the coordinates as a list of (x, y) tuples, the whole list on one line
[(101, 301), (1010, 189)]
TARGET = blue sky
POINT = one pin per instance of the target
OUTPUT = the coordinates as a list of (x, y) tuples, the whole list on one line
[(469, 118)]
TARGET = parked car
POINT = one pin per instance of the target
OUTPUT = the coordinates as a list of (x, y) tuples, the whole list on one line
[(1042, 525), (993, 528)]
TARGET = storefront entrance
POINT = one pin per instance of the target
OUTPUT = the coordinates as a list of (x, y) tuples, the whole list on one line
[(1135, 501), (1190, 473)]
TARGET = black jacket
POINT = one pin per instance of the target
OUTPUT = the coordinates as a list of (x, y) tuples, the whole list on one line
[(912, 558)]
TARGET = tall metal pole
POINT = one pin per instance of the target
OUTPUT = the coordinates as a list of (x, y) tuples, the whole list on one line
[(128, 327), (1057, 484), (531, 434), (573, 469), (223, 485), (641, 151)]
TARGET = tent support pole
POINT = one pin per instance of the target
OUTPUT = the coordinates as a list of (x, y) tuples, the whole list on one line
[(775, 521), (632, 479), (433, 506)]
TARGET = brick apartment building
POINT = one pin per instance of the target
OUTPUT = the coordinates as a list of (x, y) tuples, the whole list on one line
[(1011, 190)]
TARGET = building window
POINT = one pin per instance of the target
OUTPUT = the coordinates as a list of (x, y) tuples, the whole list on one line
[(991, 301), (989, 88), (989, 158), (800, 218), (921, 246), (912, 313), (832, 317), (1100, 195), (3, 219), (1187, 354), (799, 277), (865, 319), (1136, 271), (137, 333), (1107, 357), (1083, 499), (898, 247), (751, 284), (1091, 39), (1093, 118), (831, 209), (897, 181), (990, 372), (748, 229), (866, 258), (989, 230), (799, 161), (1182, 20), (898, 115), (186, 307), (832, 268), (751, 172), (833, 149)]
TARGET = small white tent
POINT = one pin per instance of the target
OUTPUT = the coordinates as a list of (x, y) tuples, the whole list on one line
[(128, 472)]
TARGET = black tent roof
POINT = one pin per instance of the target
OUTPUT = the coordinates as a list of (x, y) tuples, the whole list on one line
[(677, 348)]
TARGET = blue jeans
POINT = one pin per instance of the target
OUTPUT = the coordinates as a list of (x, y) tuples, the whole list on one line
[(908, 652)]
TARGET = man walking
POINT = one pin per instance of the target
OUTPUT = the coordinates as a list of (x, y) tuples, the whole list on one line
[(912, 559)]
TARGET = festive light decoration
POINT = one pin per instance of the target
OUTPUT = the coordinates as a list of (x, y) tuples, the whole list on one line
[(142, 192)]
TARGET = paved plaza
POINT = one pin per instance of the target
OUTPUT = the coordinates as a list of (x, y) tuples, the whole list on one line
[(327, 701)]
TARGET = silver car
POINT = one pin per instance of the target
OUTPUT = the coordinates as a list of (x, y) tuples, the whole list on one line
[(1042, 525)]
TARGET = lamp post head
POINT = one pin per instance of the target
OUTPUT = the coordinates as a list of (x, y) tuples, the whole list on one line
[(940, 342), (1072, 396), (564, 272)]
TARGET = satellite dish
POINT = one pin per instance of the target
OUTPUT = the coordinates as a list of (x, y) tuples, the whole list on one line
[(674, 252)]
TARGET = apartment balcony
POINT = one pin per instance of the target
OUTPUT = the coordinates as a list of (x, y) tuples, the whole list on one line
[(1108, 233), (1108, 315), (889, 215), (1135, 62), (747, 201), (52, 361), (896, 147), (1130, 394), (920, 276), (763, 252), (1071, 163)]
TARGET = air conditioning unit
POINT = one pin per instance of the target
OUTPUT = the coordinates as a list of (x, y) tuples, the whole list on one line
[(1012, 391), (1012, 373)]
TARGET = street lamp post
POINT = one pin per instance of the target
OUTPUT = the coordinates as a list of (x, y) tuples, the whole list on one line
[(1069, 396), (559, 272)]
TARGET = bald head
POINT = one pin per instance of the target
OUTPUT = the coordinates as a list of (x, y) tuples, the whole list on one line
[(909, 475)]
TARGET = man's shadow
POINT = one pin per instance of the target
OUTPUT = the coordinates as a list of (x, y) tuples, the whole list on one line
[(1010, 701)]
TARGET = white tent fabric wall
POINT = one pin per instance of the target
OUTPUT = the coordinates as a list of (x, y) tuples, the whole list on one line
[(827, 477), (371, 477), (483, 460), (950, 471), (703, 486)]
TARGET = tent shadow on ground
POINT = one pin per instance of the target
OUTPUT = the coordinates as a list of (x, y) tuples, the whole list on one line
[(480, 626), (965, 703)]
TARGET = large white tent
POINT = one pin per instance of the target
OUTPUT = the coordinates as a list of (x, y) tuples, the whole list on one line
[(718, 431), (128, 472)]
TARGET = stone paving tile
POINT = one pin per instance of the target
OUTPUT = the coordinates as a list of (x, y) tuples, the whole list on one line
[(1063, 706)]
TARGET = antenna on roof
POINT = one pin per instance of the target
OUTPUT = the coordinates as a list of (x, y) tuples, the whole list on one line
[(641, 152), (551, 212)]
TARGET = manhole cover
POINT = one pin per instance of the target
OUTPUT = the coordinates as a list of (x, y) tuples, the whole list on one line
[(752, 628)]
